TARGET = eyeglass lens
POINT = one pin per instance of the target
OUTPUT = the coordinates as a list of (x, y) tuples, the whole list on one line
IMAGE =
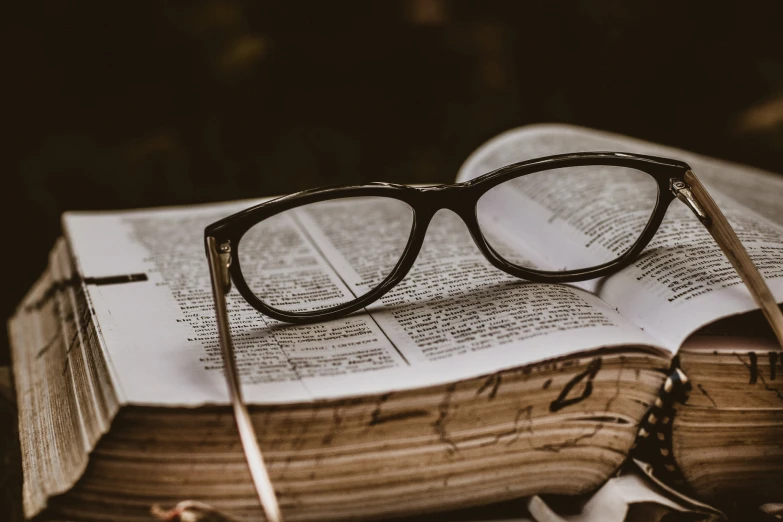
[(568, 218), (290, 260)]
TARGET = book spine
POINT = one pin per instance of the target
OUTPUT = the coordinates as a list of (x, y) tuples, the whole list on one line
[(654, 438)]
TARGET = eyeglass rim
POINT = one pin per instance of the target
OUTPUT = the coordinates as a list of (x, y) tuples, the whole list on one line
[(461, 198)]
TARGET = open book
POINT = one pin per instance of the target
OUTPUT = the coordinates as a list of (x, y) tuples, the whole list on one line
[(462, 385)]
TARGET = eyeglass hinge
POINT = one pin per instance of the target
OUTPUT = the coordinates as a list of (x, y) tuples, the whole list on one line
[(683, 192), (224, 253)]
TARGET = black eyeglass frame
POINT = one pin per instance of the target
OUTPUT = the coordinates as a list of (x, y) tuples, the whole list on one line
[(462, 199)]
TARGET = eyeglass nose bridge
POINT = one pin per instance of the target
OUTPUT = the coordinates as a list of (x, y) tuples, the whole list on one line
[(459, 199), (453, 197), (462, 201)]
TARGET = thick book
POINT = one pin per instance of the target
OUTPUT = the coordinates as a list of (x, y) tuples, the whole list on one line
[(461, 386)]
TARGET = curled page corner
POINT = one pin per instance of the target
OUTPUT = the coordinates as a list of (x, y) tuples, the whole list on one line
[(614, 500)]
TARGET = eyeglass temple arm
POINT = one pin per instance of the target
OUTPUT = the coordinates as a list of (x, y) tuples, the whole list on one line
[(696, 197), (219, 260)]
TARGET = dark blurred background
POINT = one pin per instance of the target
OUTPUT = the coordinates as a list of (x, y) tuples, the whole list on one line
[(118, 105)]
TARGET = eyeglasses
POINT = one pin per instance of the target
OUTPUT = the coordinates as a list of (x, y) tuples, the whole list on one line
[(324, 253)]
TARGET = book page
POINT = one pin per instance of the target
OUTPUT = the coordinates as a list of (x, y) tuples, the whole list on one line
[(453, 317), (682, 280)]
